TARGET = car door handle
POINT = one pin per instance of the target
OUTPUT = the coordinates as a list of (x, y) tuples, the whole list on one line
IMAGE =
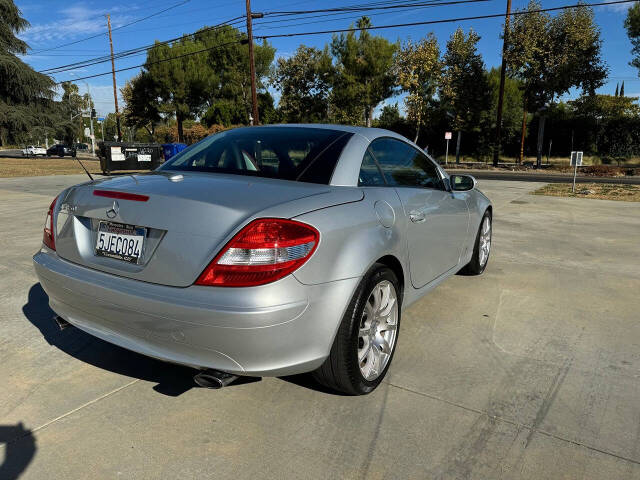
[(416, 216)]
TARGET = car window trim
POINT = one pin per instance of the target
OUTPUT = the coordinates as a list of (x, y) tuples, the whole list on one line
[(375, 160), (438, 172)]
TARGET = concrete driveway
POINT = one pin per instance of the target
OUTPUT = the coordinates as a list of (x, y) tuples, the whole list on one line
[(529, 371)]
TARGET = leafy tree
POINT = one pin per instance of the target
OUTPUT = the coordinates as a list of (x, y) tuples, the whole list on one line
[(228, 99), (551, 55), (464, 88), (304, 83), (72, 106), (26, 97), (142, 106), (632, 24), (622, 89), (512, 112), (605, 106), (181, 77), (363, 77), (417, 67)]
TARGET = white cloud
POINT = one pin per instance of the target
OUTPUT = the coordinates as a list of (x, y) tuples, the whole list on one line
[(619, 7), (74, 21)]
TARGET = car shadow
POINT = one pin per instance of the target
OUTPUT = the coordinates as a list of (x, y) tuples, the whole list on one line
[(19, 451), (170, 379)]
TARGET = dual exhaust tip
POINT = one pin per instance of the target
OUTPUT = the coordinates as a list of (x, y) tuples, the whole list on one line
[(206, 378)]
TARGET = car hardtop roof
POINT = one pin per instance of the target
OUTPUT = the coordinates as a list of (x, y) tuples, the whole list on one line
[(367, 132)]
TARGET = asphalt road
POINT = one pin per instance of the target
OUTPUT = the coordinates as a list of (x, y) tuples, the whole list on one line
[(531, 371), (545, 177)]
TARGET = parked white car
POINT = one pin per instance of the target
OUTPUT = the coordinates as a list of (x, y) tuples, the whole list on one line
[(33, 151)]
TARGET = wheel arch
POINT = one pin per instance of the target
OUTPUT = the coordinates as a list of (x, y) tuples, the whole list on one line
[(395, 265)]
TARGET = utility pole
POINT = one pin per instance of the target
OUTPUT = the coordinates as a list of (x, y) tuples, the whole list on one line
[(503, 70), (113, 72), (252, 65)]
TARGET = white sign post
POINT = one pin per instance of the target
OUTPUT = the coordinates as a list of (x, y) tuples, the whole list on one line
[(576, 161), (447, 137)]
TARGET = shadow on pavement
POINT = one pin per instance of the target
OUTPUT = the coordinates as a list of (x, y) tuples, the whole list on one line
[(19, 451), (172, 380)]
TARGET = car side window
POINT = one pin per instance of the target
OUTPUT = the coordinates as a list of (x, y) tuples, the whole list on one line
[(405, 166), (370, 175)]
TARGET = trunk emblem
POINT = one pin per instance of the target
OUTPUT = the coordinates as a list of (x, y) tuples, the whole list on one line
[(113, 211)]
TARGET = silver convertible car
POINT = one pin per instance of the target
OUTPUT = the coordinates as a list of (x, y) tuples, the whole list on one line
[(265, 251)]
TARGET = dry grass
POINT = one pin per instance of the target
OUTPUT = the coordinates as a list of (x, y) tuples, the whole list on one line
[(31, 167), (605, 191)]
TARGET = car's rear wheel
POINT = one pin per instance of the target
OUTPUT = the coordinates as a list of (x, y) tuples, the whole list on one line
[(366, 339), (481, 248)]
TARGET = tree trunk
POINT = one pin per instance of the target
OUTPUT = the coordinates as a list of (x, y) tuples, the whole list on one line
[(458, 146), (180, 131), (369, 115), (415, 140), (524, 132), (543, 118)]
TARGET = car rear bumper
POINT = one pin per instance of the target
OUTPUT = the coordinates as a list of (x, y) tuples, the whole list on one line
[(278, 329)]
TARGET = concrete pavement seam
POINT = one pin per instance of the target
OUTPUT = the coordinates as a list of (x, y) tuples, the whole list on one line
[(516, 424), (71, 412)]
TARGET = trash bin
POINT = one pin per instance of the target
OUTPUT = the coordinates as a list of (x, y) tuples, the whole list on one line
[(171, 149), (129, 156)]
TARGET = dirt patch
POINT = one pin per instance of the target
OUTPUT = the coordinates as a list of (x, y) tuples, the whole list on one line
[(605, 191), (31, 167)]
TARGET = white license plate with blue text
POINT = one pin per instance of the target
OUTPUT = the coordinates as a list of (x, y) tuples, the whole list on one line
[(120, 241)]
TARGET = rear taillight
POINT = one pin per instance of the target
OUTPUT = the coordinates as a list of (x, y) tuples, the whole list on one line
[(48, 236), (264, 251)]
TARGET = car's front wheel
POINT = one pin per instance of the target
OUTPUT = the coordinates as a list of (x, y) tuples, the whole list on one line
[(481, 248), (366, 339)]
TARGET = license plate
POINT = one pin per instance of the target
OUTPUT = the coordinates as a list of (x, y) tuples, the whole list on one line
[(120, 241)]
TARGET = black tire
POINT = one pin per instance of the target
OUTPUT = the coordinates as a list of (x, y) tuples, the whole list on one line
[(474, 267), (341, 371)]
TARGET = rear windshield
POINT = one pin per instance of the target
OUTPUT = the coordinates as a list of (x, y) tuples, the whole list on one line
[(289, 153)]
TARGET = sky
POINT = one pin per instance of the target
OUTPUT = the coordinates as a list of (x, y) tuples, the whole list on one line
[(57, 22)]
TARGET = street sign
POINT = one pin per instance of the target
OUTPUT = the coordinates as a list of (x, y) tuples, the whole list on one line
[(87, 132), (576, 159), (447, 135), (101, 119)]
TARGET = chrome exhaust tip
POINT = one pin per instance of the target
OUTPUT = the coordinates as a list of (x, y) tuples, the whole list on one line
[(214, 379), (62, 323)]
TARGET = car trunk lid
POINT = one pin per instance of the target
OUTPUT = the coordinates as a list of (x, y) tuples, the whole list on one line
[(187, 217)]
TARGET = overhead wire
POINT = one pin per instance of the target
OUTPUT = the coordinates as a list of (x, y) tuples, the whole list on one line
[(113, 29), (372, 27)]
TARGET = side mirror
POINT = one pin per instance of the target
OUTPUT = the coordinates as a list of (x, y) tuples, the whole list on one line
[(462, 183)]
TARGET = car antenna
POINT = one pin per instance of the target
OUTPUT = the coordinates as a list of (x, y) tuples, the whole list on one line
[(85, 170)]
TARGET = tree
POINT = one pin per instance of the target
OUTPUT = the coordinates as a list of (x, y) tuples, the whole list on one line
[(551, 55), (605, 106), (617, 92), (304, 84), (228, 100), (72, 106), (417, 68), (181, 77), (632, 25), (26, 97), (363, 77), (464, 88), (622, 89), (142, 105), (512, 109)]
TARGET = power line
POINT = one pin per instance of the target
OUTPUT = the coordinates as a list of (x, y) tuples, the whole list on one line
[(117, 28), (154, 62), (343, 30), (365, 7), (445, 20), (402, 4), (135, 51)]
